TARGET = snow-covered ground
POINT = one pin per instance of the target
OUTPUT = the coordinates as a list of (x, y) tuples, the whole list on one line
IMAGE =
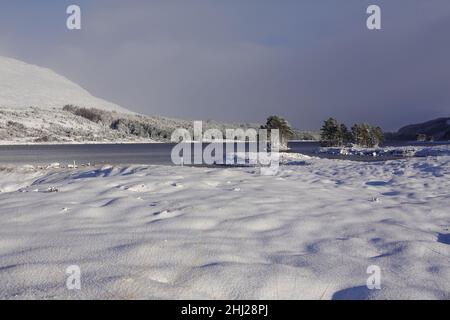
[(437, 149), (213, 233)]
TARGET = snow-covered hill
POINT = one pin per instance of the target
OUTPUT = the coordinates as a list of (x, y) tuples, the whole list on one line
[(31, 108), (23, 85), (32, 101), (54, 125), (438, 129)]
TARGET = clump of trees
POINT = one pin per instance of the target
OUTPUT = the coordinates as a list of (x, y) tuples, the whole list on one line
[(335, 134), (285, 129), (422, 137), (92, 114), (135, 125)]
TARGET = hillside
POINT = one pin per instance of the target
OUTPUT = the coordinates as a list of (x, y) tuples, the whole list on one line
[(438, 130), (52, 125), (23, 85), (80, 125), (73, 124), (32, 101)]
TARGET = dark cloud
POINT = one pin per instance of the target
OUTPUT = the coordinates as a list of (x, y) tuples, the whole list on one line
[(243, 60)]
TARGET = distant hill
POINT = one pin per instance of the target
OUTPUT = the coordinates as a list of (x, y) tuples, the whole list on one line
[(31, 111), (23, 85), (438, 130), (73, 124)]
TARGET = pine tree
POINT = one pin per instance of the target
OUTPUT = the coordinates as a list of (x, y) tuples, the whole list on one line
[(330, 132), (366, 136), (344, 135), (335, 134), (285, 130), (357, 133), (377, 136)]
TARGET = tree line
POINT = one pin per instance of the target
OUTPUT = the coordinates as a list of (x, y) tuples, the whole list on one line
[(335, 134)]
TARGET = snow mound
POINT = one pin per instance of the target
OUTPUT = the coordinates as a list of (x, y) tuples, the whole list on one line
[(434, 151), (24, 85), (311, 232)]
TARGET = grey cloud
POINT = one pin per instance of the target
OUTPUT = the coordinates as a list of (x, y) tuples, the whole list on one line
[(244, 60)]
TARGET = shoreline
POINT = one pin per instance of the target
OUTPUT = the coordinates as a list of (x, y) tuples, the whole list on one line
[(67, 143), (13, 144)]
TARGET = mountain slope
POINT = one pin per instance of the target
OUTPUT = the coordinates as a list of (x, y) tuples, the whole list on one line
[(39, 106), (42, 125), (438, 129), (23, 85)]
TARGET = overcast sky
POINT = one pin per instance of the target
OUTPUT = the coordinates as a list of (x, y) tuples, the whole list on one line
[(242, 60)]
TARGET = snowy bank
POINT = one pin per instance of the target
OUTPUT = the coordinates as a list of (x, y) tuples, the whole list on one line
[(404, 151), (153, 232)]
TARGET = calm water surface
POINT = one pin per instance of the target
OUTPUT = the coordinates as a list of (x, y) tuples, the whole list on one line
[(156, 154)]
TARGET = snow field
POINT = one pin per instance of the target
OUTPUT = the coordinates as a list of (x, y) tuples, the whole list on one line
[(155, 232)]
